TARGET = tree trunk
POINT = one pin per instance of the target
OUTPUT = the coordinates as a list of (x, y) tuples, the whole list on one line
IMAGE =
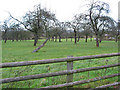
[(78, 38), (97, 41), (5, 40), (91, 38), (66, 38), (116, 38), (49, 38), (86, 38), (40, 46), (17, 40), (5, 36), (35, 40), (100, 39), (56, 38), (75, 36), (12, 40), (52, 38), (59, 38)]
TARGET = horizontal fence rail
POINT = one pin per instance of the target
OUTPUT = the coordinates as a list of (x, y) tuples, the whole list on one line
[(37, 76), (108, 85), (47, 61), (82, 81)]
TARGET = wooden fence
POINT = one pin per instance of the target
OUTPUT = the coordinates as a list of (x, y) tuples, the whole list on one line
[(69, 72)]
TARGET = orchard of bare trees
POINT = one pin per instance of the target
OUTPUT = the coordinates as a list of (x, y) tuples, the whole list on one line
[(42, 23)]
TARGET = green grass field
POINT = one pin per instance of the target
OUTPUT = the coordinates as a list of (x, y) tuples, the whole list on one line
[(22, 51)]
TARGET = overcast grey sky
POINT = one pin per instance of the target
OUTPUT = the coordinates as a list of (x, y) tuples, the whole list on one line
[(64, 9)]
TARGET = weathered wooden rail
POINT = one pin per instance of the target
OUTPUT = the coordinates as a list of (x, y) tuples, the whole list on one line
[(69, 72), (47, 61)]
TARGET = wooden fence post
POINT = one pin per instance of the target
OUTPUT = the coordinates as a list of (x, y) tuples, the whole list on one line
[(69, 67)]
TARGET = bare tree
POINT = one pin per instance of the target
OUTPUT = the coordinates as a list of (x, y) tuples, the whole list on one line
[(106, 24), (97, 10), (114, 31), (6, 26), (35, 21), (61, 29), (86, 31), (75, 26)]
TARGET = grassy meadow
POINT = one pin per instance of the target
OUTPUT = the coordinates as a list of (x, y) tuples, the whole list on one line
[(22, 51)]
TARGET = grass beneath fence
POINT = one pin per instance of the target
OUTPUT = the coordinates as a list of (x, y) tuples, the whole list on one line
[(22, 51)]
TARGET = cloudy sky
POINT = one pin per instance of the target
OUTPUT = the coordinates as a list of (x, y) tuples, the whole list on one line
[(64, 9)]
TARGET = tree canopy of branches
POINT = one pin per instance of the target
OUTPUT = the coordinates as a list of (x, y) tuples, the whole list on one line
[(37, 21), (98, 19), (6, 26), (75, 26)]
